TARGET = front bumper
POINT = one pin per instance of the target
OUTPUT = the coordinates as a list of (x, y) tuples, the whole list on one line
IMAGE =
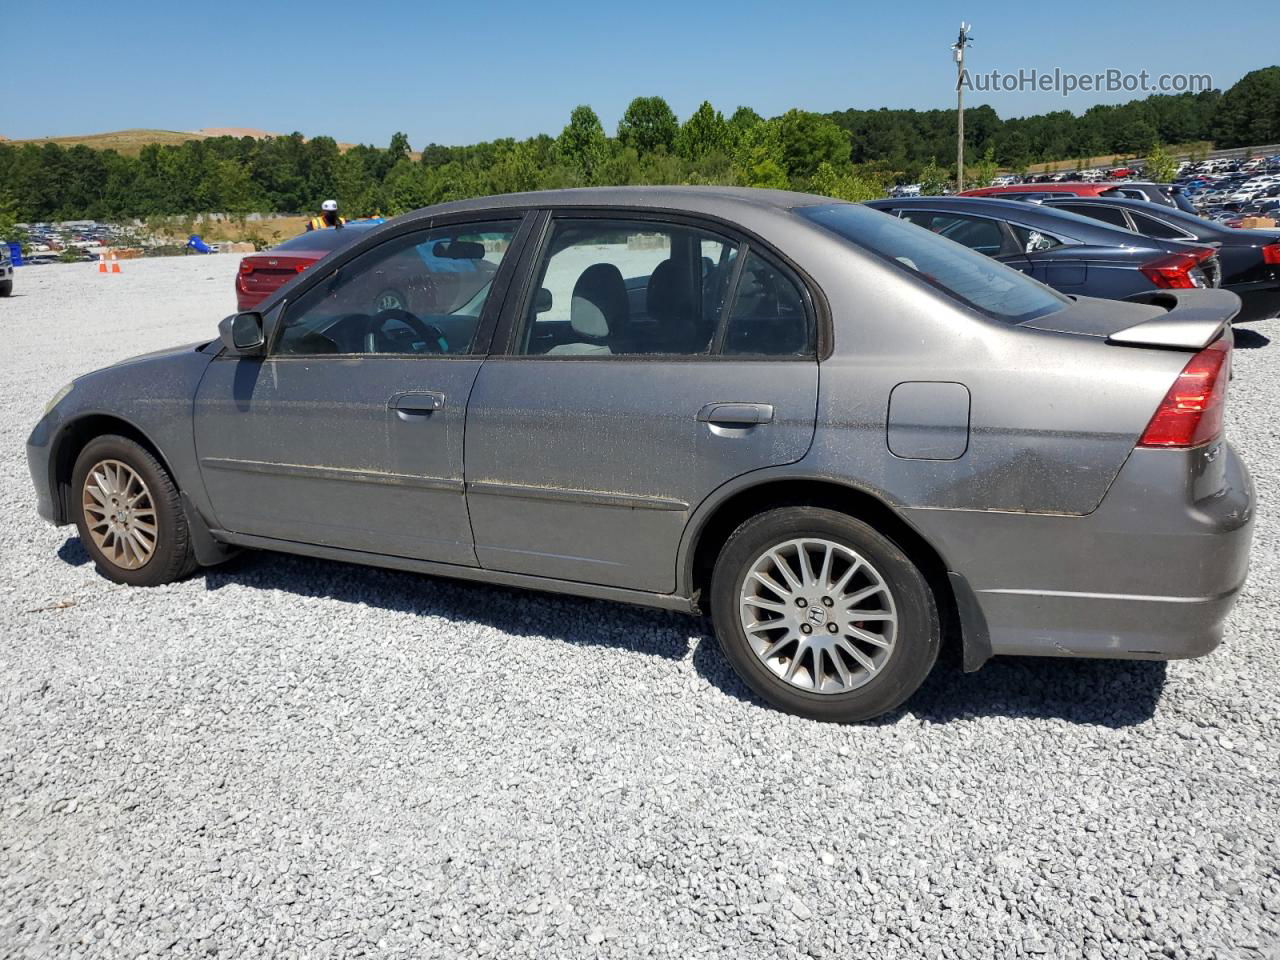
[(1151, 574), (39, 462)]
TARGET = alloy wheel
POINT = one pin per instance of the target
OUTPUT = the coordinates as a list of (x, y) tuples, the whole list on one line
[(818, 615), (120, 514)]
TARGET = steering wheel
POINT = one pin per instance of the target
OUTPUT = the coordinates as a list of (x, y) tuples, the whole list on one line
[(432, 337)]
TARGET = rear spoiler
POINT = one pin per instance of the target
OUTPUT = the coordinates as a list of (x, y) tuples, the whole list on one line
[(1195, 319)]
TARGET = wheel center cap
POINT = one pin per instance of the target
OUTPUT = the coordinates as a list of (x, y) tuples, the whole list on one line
[(817, 615)]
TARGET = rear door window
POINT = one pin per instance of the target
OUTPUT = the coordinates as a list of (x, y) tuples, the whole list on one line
[(1151, 227), (1097, 211), (626, 287), (977, 233), (768, 316)]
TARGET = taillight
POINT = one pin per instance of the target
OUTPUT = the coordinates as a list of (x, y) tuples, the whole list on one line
[(246, 266), (1271, 254), (1191, 412), (300, 267), (1174, 271)]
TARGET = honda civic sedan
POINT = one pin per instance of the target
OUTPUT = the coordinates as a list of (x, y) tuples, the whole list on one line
[(831, 430)]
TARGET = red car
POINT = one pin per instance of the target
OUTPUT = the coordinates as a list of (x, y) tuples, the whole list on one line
[(1165, 194), (262, 274), (458, 272)]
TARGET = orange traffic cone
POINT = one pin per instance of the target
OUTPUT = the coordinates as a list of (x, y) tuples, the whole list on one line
[(115, 264), (102, 263)]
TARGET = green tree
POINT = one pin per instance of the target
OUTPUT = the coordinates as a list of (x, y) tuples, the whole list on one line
[(809, 140), (934, 179), (648, 124), (703, 134), (582, 143), (738, 126), (758, 160), (1249, 114), (985, 169), (1158, 165), (850, 184)]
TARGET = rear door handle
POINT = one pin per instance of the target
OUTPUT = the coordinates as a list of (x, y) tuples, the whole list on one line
[(418, 404), (736, 414)]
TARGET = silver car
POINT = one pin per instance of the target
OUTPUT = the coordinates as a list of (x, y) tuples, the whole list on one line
[(831, 430)]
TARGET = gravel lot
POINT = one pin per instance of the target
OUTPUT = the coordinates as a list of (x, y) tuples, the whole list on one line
[(284, 757)]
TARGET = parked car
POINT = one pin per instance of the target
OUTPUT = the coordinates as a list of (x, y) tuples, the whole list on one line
[(1167, 194), (1249, 259), (1074, 254), (460, 271), (634, 412), (262, 274), (6, 271)]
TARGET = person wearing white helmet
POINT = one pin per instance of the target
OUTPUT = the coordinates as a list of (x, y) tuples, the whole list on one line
[(328, 217)]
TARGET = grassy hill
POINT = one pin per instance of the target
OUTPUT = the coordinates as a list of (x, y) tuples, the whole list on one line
[(128, 142)]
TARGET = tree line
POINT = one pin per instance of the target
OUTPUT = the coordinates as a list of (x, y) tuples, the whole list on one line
[(851, 154)]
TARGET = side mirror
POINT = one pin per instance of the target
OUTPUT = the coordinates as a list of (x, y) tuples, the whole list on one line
[(242, 333), (542, 300)]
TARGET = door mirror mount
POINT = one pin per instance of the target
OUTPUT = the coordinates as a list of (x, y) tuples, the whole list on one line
[(243, 333)]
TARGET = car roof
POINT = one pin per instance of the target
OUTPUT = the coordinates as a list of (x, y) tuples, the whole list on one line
[(707, 199)]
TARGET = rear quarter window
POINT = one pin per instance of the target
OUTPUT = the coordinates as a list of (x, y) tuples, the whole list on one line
[(990, 287)]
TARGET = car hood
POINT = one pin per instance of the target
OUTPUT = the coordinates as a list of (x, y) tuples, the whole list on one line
[(159, 354)]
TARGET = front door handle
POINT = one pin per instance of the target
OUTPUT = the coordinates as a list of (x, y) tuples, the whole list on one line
[(418, 404), (736, 414)]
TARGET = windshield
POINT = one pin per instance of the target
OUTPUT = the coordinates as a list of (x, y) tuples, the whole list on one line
[(992, 288), (329, 239)]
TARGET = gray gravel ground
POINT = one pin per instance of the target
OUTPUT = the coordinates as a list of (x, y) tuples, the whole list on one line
[(295, 758)]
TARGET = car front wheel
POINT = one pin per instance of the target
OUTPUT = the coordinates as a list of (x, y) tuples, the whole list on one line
[(129, 514), (822, 615)]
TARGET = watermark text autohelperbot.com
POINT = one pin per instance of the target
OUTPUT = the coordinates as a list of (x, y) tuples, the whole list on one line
[(1065, 83)]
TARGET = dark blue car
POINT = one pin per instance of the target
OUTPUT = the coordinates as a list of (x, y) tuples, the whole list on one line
[(1071, 253)]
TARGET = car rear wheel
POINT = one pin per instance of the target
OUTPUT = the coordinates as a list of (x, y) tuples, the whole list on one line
[(129, 514), (822, 615)]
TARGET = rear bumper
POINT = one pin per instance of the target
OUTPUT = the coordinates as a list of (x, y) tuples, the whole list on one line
[(1150, 575)]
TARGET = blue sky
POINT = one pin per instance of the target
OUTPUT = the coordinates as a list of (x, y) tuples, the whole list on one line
[(458, 72)]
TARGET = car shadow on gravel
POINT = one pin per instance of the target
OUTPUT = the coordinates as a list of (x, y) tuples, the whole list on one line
[(1110, 693), (1107, 693), (517, 612), (73, 553), (1249, 339)]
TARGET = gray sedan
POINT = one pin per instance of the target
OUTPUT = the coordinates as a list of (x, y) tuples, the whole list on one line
[(835, 432)]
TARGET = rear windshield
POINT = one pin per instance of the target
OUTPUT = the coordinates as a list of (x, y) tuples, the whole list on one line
[(992, 288), (328, 239)]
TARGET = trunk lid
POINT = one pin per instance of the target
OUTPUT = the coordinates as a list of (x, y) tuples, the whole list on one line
[(264, 273)]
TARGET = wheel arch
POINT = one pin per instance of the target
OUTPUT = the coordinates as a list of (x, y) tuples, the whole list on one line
[(74, 436), (713, 524)]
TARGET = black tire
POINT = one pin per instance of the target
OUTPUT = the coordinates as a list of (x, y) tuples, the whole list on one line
[(173, 557), (918, 627), (6, 288)]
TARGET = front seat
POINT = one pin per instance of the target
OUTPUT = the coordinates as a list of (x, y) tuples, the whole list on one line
[(598, 311)]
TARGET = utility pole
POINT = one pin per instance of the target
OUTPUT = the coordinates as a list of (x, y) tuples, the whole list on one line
[(958, 48)]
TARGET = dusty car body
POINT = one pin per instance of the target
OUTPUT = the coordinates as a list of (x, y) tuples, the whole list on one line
[(1037, 468)]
